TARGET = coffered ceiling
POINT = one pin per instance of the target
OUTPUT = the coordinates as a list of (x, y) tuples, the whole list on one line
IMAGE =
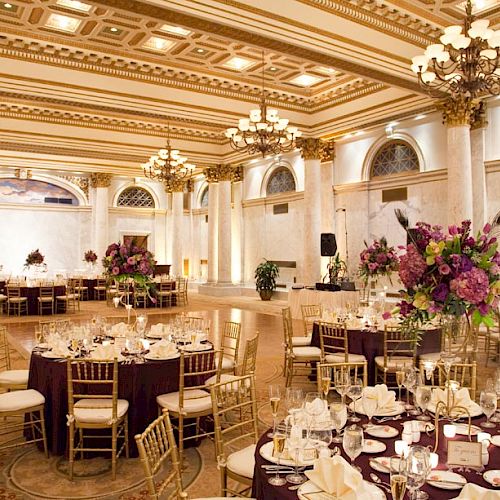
[(128, 68)]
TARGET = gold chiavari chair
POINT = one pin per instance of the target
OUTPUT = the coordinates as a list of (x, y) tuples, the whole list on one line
[(82, 290), (334, 344), (70, 299), (230, 345), (310, 314), (3, 302), (46, 299), (93, 404), (100, 289), (16, 303), (465, 373), (192, 400), (399, 352), (11, 380), (234, 406), (355, 370), (165, 293), (140, 296), (180, 291), (288, 324)]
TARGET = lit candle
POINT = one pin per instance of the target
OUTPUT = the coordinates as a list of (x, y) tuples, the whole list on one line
[(434, 460), (106, 342), (401, 447), (450, 430)]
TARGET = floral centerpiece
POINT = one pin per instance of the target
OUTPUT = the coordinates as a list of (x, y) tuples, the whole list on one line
[(127, 262), (34, 258), (90, 257), (378, 259), (452, 274)]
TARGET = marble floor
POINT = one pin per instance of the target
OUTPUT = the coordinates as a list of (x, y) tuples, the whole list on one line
[(252, 313)]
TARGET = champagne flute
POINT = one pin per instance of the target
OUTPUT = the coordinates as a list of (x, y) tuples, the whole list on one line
[(279, 439), (400, 377), (295, 443), (398, 468), (326, 379), (488, 403), (342, 381), (353, 443), (338, 415), (418, 468), (424, 394), (355, 391), (274, 399)]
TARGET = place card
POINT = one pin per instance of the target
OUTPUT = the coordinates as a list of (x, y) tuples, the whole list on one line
[(465, 454)]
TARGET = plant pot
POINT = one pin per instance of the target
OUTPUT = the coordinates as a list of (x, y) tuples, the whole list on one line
[(265, 294)]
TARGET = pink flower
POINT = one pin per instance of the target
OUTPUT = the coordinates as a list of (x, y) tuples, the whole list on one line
[(386, 315), (472, 286), (116, 270), (487, 228), (412, 266), (444, 269), (131, 261)]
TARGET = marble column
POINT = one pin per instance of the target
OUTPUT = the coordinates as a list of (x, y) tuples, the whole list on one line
[(100, 224), (224, 226), (237, 226), (177, 234), (194, 261), (327, 202), (311, 266), (213, 194), (479, 193), (456, 115)]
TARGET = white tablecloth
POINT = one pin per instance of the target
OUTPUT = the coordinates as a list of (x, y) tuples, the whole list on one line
[(329, 300)]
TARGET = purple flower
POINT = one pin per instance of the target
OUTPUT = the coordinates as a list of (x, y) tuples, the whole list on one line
[(381, 258), (386, 315), (434, 308), (405, 308), (472, 286), (487, 228), (484, 309), (123, 250), (465, 264), (412, 266), (440, 293), (453, 230), (372, 266)]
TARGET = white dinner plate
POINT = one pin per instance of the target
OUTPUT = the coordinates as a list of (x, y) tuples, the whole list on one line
[(473, 408), (438, 478), (42, 345), (196, 348), (381, 464), (373, 446), (495, 440), (152, 357), (150, 335), (463, 429), (53, 355), (398, 409), (492, 477), (307, 491), (266, 451), (382, 431)]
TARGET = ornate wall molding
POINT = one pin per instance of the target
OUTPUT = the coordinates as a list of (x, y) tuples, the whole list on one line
[(175, 185), (316, 149), (478, 117), (225, 172), (80, 182), (237, 173), (211, 173), (100, 180), (327, 151), (457, 112)]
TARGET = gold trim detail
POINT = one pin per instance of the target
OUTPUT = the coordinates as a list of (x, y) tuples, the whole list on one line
[(327, 151), (225, 172), (457, 112), (310, 148), (238, 174), (478, 118), (175, 185), (80, 182), (100, 180)]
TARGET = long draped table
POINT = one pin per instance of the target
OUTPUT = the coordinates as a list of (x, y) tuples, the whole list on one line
[(329, 300), (32, 293), (262, 490), (138, 383), (371, 344)]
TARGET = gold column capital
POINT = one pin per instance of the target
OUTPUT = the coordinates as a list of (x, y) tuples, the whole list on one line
[(100, 180), (211, 174), (478, 117), (175, 185), (225, 172), (327, 151), (310, 148), (238, 173), (457, 112)]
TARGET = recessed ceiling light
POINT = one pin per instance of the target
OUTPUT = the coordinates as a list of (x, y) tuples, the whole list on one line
[(420, 117), (158, 44), (200, 51), (7, 5), (63, 23), (73, 4), (272, 68), (176, 30), (238, 63), (305, 80), (114, 30), (328, 71), (359, 132)]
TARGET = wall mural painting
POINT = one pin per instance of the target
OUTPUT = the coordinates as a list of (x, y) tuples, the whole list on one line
[(28, 191)]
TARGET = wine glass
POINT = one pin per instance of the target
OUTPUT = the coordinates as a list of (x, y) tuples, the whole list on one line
[(410, 381), (418, 467), (355, 391), (321, 438), (370, 404), (400, 377), (424, 394), (338, 416), (326, 379), (141, 323), (314, 406), (294, 399), (399, 476), (493, 385), (342, 381), (488, 403), (274, 399), (295, 443), (279, 439), (353, 443)]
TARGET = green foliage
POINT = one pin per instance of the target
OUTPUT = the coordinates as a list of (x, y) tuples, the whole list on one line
[(265, 276)]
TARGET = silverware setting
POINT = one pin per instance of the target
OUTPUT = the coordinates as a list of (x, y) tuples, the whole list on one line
[(381, 420), (379, 482)]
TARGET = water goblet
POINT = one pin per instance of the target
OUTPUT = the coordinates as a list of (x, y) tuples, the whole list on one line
[(338, 416), (314, 406), (418, 467), (496, 388), (279, 439), (342, 381), (370, 404), (295, 444), (353, 443), (488, 403), (355, 391), (424, 394), (321, 438), (409, 382)]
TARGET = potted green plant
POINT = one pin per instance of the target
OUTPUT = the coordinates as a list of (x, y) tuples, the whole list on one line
[(265, 279)]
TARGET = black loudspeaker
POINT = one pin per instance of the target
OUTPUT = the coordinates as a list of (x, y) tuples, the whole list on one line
[(328, 245)]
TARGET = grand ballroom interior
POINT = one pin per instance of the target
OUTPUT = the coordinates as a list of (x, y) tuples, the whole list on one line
[(157, 157)]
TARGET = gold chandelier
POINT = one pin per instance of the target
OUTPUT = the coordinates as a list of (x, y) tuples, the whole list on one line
[(167, 165), (264, 131), (465, 64)]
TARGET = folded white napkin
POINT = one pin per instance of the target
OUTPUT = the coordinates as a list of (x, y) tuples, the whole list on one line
[(105, 352), (335, 476), (316, 408), (460, 398), (59, 347), (386, 399), (157, 329), (120, 329), (474, 492), (163, 349)]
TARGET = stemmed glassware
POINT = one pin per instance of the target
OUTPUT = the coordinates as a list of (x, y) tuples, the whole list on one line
[(274, 399), (353, 443), (370, 404), (321, 439), (141, 323), (338, 416), (355, 391), (399, 477), (279, 439), (424, 394), (400, 378), (488, 403), (342, 381), (295, 443), (294, 400), (326, 380), (314, 406), (496, 387), (410, 381), (418, 467)]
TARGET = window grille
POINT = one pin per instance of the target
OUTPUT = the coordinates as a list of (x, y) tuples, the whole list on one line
[(394, 157), (204, 198), (280, 181), (136, 197)]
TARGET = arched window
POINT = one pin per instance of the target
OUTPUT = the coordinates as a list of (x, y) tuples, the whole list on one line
[(280, 181), (394, 157), (136, 197), (204, 198)]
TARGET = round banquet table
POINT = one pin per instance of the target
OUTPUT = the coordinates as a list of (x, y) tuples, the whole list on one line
[(138, 383), (371, 344), (262, 490)]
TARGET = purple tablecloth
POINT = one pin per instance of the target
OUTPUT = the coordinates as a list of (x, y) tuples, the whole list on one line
[(139, 384), (371, 344), (262, 490)]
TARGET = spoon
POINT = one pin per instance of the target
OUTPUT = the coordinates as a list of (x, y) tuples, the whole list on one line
[(379, 481)]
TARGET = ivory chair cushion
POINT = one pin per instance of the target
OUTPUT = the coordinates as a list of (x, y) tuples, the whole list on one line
[(340, 358), (20, 400), (301, 341), (14, 377), (227, 363), (225, 377), (307, 352), (18, 299), (394, 362), (195, 400), (100, 411), (430, 356), (242, 462)]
